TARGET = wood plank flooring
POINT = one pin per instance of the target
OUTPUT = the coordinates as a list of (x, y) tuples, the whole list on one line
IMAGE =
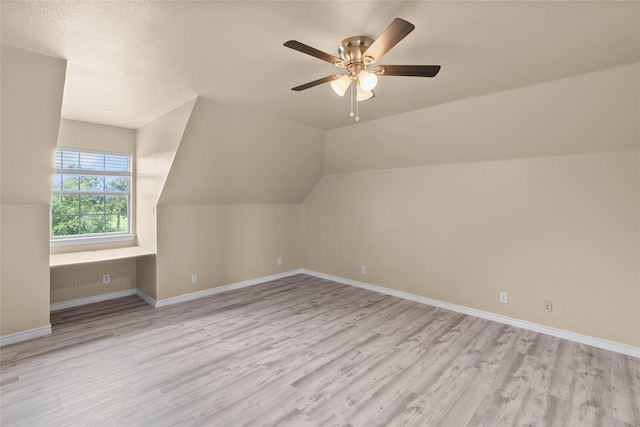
[(303, 351)]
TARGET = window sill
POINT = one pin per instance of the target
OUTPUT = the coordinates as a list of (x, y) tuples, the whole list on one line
[(77, 241)]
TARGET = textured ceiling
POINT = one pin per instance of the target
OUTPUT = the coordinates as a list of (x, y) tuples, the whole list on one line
[(142, 59)]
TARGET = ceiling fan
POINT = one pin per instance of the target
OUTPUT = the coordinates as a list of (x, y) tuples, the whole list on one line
[(358, 53)]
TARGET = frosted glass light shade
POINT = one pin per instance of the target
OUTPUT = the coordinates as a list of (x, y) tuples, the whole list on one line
[(368, 81), (340, 85), (363, 95)]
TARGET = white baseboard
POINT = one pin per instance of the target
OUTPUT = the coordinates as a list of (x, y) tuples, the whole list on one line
[(213, 291), (146, 298), (25, 335), (90, 300), (524, 324)]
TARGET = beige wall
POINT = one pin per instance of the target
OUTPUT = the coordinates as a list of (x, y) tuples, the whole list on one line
[(32, 87), (157, 145), (461, 201), (24, 275), (92, 136), (146, 275), (122, 272), (231, 205), (558, 228), (224, 244)]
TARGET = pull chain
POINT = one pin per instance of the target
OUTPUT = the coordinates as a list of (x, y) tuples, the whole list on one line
[(351, 96)]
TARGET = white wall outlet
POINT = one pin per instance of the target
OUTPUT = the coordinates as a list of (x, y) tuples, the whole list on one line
[(503, 297), (106, 279), (548, 306), (279, 261), (194, 278), (363, 269)]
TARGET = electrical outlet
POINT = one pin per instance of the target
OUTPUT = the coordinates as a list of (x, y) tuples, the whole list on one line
[(76, 282), (279, 261), (548, 306), (363, 269), (503, 297), (194, 278), (106, 279)]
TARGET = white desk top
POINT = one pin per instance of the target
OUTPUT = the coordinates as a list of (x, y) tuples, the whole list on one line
[(84, 257)]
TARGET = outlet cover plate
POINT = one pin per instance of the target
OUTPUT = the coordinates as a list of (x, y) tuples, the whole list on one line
[(503, 297)]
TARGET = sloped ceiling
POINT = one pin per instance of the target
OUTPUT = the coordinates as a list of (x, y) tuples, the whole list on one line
[(230, 156), (593, 113), (142, 59)]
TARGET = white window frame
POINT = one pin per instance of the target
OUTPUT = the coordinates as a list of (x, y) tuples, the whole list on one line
[(105, 237)]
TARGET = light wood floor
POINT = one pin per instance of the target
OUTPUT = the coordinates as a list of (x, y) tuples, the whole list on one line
[(305, 351)]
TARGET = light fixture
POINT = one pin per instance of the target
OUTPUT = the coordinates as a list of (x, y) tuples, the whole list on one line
[(368, 81), (352, 58), (364, 82), (362, 94), (341, 85)]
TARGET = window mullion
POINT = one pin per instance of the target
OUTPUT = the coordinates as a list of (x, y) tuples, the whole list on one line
[(79, 214), (90, 193)]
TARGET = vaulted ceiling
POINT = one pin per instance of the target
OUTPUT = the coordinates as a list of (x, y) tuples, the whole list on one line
[(130, 62)]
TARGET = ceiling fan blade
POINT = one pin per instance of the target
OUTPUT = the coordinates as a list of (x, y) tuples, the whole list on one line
[(407, 70), (317, 82), (301, 47), (396, 31)]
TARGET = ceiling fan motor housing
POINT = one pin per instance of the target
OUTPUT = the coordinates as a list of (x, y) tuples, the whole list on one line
[(352, 52)]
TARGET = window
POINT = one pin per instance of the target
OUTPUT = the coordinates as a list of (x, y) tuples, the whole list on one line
[(91, 194)]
